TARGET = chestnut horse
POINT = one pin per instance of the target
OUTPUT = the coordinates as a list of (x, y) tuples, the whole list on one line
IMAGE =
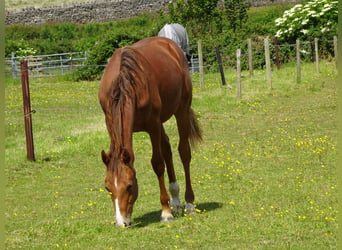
[(142, 86)]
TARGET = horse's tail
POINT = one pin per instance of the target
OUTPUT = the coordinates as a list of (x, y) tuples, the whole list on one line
[(195, 130)]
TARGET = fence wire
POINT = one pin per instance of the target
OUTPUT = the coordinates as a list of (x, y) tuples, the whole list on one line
[(208, 67), (65, 63)]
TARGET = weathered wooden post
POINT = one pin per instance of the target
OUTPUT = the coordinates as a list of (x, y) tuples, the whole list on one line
[(335, 50), (298, 61), (250, 57), (276, 48), (219, 60), (238, 73), (27, 110), (268, 63), (200, 62), (316, 55)]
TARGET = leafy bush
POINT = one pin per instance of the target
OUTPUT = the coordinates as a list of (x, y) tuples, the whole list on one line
[(260, 24), (101, 52), (315, 19), (124, 33), (26, 52), (214, 29)]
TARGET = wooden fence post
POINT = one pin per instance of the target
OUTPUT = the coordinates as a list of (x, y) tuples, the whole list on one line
[(250, 55), (268, 63), (335, 50), (276, 48), (200, 63), (298, 61), (238, 73), (316, 55), (27, 110), (219, 60)]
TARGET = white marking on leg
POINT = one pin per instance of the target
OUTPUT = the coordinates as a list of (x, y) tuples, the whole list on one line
[(119, 220), (174, 190), (115, 182), (166, 216)]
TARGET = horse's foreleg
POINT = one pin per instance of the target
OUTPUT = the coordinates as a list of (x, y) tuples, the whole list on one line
[(176, 205), (157, 162)]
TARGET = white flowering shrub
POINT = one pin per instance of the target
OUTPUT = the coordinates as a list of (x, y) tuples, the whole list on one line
[(26, 52), (315, 18)]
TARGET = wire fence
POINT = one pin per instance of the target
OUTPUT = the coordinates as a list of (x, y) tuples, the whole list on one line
[(327, 49), (65, 63)]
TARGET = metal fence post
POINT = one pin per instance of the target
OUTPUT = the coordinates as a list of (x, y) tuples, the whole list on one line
[(219, 60), (14, 66)]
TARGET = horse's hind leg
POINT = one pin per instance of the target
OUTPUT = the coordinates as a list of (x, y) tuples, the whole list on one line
[(159, 168), (176, 205), (184, 150)]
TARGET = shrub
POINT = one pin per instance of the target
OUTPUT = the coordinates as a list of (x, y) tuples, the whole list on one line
[(101, 52), (317, 18), (120, 34)]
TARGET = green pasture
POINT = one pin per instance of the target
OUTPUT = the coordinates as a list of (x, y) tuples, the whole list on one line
[(264, 177)]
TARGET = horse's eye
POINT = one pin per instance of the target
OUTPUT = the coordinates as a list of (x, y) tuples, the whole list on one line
[(129, 188), (107, 189)]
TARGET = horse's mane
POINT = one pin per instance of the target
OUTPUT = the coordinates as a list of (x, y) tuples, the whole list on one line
[(125, 90)]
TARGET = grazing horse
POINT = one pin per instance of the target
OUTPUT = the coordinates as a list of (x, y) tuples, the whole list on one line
[(142, 86)]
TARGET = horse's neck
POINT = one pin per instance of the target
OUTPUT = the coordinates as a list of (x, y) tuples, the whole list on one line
[(127, 127), (127, 120)]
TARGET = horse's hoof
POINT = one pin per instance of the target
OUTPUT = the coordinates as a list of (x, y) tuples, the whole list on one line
[(166, 215), (166, 218), (177, 211), (189, 208)]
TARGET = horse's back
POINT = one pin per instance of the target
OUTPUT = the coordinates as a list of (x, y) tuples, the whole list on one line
[(170, 73), (165, 70), (166, 60), (162, 48)]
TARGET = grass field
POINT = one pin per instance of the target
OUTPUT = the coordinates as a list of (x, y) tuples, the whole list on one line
[(264, 178)]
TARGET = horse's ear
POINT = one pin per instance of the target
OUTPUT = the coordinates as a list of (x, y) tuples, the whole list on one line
[(126, 157), (105, 158)]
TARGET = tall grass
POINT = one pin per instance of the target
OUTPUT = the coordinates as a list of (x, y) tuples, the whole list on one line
[(265, 176)]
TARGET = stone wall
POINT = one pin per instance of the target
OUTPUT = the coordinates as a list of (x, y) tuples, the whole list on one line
[(258, 3), (96, 11), (84, 12)]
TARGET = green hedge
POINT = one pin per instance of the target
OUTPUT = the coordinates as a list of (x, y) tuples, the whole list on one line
[(101, 39)]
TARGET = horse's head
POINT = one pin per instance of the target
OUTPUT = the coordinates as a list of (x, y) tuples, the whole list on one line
[(121, 182)]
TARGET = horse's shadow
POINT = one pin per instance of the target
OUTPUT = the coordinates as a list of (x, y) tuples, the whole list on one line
[(154, 217)]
